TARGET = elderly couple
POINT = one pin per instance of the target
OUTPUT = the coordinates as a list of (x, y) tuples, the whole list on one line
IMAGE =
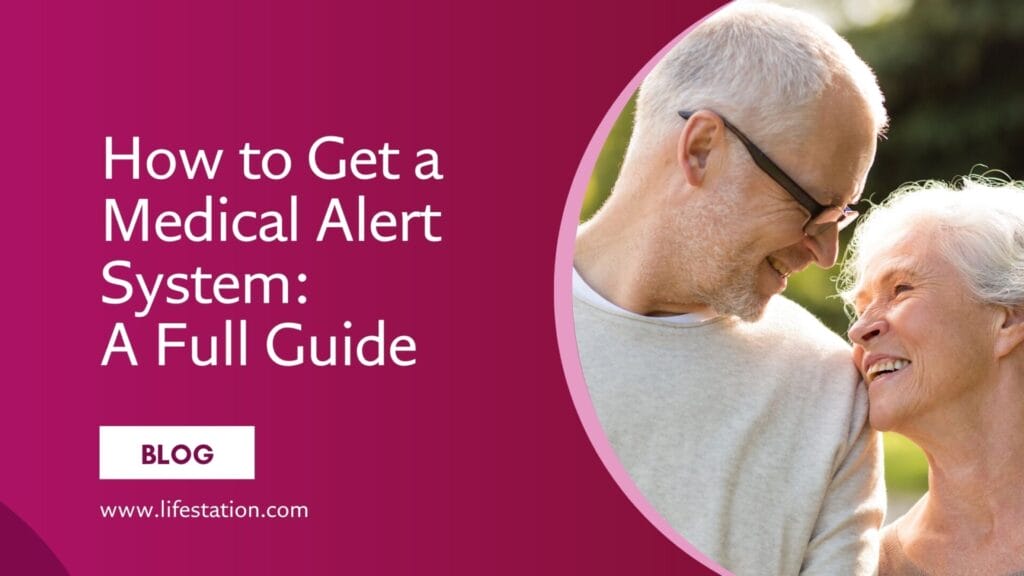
[(746, 423)]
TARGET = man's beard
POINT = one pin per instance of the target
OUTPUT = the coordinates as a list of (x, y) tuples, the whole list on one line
[(735, 293), (724, 280)]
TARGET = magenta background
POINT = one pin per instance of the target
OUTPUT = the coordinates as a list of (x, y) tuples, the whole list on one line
[(474, 461)]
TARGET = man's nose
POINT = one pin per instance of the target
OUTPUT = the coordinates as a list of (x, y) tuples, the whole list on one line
[(867, 329), (824, 246)]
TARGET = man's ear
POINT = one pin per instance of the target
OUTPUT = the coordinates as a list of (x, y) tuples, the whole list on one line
[(1011, 333), (703, 133)]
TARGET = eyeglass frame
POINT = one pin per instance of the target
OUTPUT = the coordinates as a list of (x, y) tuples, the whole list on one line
[(814, 208)]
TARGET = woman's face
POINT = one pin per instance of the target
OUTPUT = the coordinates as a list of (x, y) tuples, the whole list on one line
[(921, 342)]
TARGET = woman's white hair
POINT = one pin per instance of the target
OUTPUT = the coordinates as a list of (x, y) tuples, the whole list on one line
[(978, 226), (760, 66)]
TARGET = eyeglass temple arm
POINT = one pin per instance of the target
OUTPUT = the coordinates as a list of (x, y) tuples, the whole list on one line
[(765, 163)]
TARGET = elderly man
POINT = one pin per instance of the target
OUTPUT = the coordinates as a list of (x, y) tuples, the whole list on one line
[(737, 414)]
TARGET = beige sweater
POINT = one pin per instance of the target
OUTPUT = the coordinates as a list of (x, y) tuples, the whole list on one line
[(749, 438)]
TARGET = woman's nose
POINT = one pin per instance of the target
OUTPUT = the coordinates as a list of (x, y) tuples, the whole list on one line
[(866, 329)]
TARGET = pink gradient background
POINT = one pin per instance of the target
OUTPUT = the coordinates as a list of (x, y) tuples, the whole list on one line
[(473, 461)]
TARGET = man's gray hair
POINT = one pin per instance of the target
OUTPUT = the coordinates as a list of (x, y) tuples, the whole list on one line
[(979, 229), (760, 66)]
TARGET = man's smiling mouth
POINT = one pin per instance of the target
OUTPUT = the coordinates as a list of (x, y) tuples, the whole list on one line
[(779, 267)]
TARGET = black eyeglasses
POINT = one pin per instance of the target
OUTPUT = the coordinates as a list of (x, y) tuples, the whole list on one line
[(821, 216)]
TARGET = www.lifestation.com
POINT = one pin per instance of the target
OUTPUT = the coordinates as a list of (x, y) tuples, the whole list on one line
[(177, 509)]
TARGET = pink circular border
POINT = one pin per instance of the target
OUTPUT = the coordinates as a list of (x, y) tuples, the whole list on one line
[(565, 329)]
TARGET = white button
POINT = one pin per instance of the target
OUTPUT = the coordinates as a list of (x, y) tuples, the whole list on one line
[(177, 452)]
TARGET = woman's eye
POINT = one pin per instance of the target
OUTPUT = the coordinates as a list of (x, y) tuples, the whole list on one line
[(901, 288)]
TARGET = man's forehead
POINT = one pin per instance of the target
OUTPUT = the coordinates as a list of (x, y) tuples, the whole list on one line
[(839, 199), (839, 151), (859, 192), (839, 185)]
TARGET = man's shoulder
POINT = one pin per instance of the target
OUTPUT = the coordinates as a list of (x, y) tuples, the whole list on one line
[(800, 326)]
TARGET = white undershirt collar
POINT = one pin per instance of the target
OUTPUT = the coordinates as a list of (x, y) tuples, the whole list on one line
[(585, 292)]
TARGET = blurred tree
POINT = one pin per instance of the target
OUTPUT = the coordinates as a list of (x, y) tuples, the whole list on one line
[(951, 71), (609, 161)]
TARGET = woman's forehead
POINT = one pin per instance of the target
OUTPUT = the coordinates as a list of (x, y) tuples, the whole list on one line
[(908, 258)]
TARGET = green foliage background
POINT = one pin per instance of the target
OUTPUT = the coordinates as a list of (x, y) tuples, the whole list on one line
[(953, 75)]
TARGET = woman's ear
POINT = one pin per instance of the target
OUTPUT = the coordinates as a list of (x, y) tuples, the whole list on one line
[(1011, 333), (703, 133)]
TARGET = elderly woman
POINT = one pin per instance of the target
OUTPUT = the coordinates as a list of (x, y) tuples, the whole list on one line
[(936, 277)]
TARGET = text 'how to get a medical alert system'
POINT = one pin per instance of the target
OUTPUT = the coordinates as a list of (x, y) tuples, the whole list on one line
[(215, 219)]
